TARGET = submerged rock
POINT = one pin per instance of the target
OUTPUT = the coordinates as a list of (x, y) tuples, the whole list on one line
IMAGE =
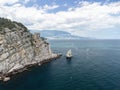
[(19, 48)]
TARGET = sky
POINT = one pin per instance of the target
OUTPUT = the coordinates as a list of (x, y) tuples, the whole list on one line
[(87, 18)]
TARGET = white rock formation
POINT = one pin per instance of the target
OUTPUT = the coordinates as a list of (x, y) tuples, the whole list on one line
[(19, 48)]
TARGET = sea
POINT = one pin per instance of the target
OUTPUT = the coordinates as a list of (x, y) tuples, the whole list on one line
[(95, 66)]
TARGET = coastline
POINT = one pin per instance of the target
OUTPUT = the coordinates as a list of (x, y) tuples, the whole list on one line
[(6, 77)]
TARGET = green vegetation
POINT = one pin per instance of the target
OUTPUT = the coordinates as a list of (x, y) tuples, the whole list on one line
[(21, 25), (7, 23)]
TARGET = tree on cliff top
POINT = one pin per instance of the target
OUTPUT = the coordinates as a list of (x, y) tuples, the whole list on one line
[(7, 23)]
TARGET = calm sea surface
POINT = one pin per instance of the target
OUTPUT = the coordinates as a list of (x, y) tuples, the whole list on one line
[(95, 66)]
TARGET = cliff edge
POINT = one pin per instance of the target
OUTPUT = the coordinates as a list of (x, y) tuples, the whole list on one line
[(19, 48)]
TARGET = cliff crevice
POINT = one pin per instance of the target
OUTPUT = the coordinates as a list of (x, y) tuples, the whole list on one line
[(19, 48)]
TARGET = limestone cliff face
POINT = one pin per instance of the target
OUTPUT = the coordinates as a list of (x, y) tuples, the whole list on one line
[(18, 48)]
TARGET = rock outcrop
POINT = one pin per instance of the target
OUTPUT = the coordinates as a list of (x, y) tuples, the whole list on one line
[(20, 48)]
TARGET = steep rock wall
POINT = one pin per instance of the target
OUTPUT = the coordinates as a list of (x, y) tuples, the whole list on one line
[(18, 48)]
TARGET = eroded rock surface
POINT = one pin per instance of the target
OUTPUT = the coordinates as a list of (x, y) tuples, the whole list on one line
[(18, 48)]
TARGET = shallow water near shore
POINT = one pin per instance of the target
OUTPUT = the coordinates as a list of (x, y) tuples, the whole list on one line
[(95, 66)]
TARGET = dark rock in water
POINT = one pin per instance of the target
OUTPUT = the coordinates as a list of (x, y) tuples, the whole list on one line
[(19, 48)]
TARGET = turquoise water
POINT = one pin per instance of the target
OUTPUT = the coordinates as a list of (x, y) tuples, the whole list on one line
[(95, 66)]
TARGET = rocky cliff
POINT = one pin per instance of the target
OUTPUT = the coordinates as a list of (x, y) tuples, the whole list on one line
[(19, 48)]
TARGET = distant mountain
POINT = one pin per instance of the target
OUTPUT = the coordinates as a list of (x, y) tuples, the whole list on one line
[(55, 34)]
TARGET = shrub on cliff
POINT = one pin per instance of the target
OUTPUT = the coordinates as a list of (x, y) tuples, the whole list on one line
[(7, 23)]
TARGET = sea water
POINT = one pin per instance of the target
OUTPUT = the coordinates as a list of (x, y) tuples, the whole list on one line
[(95, 66)]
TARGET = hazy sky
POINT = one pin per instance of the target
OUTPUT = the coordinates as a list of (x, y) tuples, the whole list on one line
[(88, 18)]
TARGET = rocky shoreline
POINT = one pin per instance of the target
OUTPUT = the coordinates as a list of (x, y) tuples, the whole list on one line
[(20, 49), (6, 77)]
